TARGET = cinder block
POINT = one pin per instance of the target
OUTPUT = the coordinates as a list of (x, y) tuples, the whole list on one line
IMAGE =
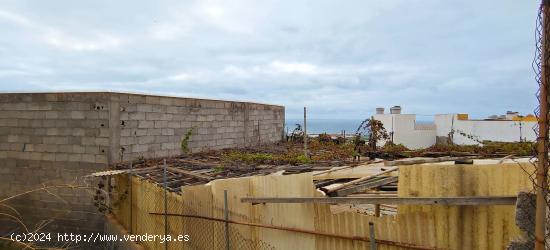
[(103, 132), (172, 110), (167, 131), (52, 131), (174, 124), (66, 148), (77, 115), (125, 132), (88, 158), (139, 148), (124, 141), (101, 159), (92, 150), (136, 116), (102, 141), (154, 147), (146, 139), (161, 124), (56, 140), (91, 115), (61, 157), (168, 146), (146, 124), (88, 140), (162, 138), (75, 157), (152, 116), (78, 132), (103, 115), (144, 108), (36, 123), (168, 101), (159, 108), (152, 99), (78, 149), (154, 131), (139, 132), (167, 117)]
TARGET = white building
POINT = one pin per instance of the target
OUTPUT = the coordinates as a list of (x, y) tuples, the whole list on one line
[(403, 128)]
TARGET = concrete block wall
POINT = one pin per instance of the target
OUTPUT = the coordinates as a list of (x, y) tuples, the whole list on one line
[(154, 126), (52, 139), (56, 138)]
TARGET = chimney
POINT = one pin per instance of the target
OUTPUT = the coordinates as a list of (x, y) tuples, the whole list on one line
[(379, 111), (395, 110)]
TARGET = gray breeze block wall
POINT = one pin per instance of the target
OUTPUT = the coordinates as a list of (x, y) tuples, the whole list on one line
[(56, 138)]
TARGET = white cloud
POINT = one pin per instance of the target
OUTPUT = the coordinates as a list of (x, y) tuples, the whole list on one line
[(61, 39), (338, 58), (294, 67), (97, 42)]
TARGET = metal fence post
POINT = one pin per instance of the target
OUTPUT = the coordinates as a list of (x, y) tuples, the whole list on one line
[(226, 214), (165, 205), (305, 133), (372, 238)]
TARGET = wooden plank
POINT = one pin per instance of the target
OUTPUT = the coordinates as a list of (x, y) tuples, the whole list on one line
[(189, 173), (345, 167), (142, 170), (428, 160), (347, 184), (365, 186), (449, 201)]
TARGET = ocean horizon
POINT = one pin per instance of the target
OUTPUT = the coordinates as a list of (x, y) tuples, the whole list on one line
[(329, 125)]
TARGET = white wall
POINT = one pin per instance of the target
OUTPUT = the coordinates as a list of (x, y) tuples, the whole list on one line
[(503, 130), (404, 132), (407, 133)]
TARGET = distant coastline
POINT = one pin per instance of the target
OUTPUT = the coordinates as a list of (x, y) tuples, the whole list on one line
[(331, 126)]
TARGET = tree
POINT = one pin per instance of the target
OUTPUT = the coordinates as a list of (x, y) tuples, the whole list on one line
[(375, 131)]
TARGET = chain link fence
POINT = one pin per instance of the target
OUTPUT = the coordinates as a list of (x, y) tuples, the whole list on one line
[(542, 41)]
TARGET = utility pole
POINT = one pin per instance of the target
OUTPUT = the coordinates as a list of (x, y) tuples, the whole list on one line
[(305, 132), (542, 140)]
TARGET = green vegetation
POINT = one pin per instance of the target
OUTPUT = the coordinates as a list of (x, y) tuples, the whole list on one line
[(185, 140), (219, 168), (488, 147), (297, 134), (248, 157), (391, 147), (375, 131), (265, 158), (302, 159), (320, 149)]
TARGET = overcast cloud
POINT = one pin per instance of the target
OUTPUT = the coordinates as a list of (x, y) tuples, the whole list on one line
[(340, 58)]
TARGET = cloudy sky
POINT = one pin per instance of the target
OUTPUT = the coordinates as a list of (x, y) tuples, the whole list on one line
[(341, 59)]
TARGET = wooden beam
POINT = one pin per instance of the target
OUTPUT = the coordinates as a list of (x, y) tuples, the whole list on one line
[(346, 167), (347, 184), (450, 201), (142, 170), (189, 173), (428, 160), (364, 186)]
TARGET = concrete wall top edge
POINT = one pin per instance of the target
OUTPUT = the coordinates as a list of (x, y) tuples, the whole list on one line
[(137, 94)]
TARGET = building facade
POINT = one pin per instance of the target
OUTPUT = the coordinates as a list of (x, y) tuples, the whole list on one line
[(455, 128)]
